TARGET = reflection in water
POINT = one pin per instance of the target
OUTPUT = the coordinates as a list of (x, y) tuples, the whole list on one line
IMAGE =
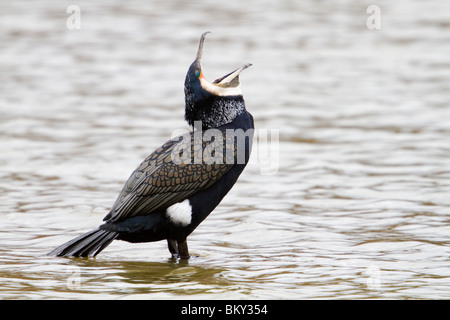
[(356, 208), (150, 278)]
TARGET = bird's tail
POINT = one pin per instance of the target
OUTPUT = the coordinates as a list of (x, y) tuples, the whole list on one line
[(88, 244)]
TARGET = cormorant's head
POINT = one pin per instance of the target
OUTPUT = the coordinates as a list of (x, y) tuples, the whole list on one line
[(214, 103)]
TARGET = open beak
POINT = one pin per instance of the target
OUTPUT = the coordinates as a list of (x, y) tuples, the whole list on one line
[(229, 80), (200, 47), (198, 58)]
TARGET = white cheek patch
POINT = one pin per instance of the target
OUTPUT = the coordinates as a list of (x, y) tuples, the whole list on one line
[(180, 213), (220, 91)]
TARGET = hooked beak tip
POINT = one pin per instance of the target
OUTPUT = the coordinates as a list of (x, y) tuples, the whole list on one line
[(200, 46)]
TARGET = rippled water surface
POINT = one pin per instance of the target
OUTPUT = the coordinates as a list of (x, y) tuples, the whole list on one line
[(353, 201)]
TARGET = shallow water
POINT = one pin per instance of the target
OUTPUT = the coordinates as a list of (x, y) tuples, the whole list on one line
[(353, 201)]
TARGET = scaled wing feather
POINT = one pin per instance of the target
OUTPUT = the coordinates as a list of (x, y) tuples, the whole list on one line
[(159, 182)]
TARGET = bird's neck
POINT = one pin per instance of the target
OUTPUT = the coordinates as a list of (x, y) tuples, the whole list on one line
[(215, 111)]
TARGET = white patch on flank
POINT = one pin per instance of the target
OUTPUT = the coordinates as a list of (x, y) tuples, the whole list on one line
[(180, 213)]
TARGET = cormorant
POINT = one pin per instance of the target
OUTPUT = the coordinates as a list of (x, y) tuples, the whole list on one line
[(177, 186)]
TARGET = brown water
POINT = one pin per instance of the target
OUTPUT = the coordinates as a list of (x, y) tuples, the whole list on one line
[(353, 202)]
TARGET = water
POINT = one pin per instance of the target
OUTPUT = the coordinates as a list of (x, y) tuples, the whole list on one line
[(356, 206)]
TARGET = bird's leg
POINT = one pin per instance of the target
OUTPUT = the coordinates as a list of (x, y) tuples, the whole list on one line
[(183, 249), (173, 248)]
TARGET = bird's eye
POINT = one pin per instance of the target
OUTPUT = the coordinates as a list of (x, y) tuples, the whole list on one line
[(197, 73)]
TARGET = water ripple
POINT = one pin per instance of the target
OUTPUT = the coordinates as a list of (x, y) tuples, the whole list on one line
[(356, 208)]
